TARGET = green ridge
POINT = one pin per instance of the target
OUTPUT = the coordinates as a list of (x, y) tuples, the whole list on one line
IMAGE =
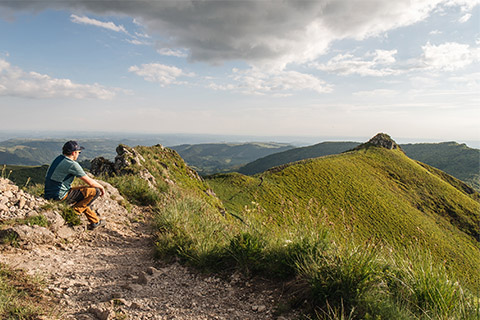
[(371, 192)]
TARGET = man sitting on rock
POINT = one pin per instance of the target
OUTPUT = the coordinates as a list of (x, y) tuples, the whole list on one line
[(58, 182)]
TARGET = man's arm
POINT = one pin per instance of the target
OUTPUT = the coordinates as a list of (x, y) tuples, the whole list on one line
[(92, 183)]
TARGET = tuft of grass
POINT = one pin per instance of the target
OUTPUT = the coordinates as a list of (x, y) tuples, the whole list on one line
[(10, 237), (135, 189), (346, 280), (192, 230), (67, 212), (22, 297), (247, 250), (39, 220), (36, 189), (426, 288)]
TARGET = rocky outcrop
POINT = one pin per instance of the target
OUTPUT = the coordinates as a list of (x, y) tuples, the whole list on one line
[(381, 140), (127, 161), (15, 203)]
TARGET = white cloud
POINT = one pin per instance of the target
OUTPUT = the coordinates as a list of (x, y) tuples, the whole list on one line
[(376, 93), (277, 83), (449, 56), (172, 53), (18, 83), (468, 81), (465, 18), (378, 64), (156, 72), (258, 32), (93, 22), (142, 35), (465, 5), (138, 42)]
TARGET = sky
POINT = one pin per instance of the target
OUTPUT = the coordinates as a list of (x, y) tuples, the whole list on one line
[(339, 68)]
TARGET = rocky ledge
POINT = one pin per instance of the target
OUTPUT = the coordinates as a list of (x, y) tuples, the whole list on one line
[(16, 206)]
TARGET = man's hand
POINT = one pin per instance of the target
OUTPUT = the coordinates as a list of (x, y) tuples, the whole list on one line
[(94, 184)]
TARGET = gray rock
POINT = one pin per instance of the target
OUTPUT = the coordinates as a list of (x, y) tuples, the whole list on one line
[(21, 203), (55, 219), (65, 232)]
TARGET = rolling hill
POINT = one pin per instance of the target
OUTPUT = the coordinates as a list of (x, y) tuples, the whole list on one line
[(276, 159), (212, 158), (455, 159), (371, 192)]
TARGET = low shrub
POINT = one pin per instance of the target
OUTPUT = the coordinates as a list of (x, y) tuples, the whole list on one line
[(192, 230), (247, 250), (67, 212)]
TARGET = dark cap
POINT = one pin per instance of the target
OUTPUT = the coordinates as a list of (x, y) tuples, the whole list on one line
[(71, 146)]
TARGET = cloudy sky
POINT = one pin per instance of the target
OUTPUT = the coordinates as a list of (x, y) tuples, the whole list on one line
[(349, 68)]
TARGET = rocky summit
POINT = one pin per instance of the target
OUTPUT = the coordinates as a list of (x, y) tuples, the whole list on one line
[(383, 140)]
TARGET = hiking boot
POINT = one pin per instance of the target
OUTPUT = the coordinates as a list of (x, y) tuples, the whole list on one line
[(100, 223)]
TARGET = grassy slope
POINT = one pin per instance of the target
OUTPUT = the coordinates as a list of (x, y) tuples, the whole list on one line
[(373, 192), (456, 159), (166, 164), (317, 150)]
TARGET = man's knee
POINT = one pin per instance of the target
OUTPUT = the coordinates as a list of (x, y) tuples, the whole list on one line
[(92, 194)]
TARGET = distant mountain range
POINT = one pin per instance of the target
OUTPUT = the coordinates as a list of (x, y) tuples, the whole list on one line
[(212, 158), (456, 159)]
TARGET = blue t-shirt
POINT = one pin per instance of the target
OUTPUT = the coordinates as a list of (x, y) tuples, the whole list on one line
[(60, 176)]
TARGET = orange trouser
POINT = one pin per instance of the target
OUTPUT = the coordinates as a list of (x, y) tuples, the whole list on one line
[(81, 198)]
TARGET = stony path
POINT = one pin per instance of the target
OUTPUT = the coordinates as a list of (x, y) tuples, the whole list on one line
[(111, 274)]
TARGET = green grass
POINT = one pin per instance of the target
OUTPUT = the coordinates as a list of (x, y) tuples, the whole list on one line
[(135, 189), (67, 212), (280, 158), (373, 193), (170, 171), (22, 297), (38, 220)]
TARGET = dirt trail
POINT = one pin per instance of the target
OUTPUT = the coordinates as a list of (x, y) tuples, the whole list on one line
[(110, 273)]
